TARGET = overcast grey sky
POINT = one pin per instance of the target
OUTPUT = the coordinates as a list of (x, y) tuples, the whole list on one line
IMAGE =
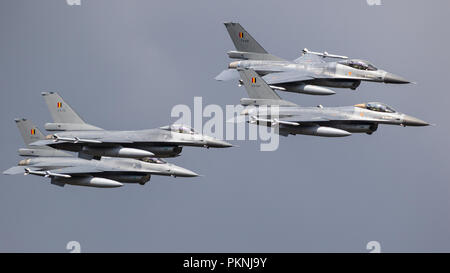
[(125, 64)]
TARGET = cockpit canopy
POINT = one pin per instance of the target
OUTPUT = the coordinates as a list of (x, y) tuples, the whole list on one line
[(154, 160), (179, 128), (359, 64), (376, 106)]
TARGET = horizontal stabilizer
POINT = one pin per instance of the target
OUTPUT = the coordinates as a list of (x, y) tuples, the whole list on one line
[(253, 56), (256, 102), (15, 170), (43, 151), (228, 74), (51, 127)]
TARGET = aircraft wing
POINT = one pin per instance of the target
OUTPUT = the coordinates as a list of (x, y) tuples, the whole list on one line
[(316, 118), (99, 169), (286, 77), (77, 170), (109, 140), (299, 76), (309, 58), (233, 74), (294, 120), (54, 172), (66, 171), (106, 140), (44, 142)]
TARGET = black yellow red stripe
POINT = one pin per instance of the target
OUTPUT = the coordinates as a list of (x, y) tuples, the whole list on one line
[(241, 35), (253, 80), (33, 132), (59, 104)]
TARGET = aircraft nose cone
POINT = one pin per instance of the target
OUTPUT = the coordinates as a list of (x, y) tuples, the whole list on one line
[(216, 143), (412, 121), (392, 78), (182, 172)]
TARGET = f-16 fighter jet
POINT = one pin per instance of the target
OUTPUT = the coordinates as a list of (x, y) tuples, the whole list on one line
[(77, 136), (104, 173), (310, 74), (316, 121)]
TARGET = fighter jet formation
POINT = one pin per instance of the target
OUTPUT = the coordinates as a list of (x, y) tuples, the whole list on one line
[(106, 158), (64, 169), (262, 74), (310, 74)]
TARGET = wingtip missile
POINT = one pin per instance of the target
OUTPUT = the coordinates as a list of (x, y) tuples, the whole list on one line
[(323, 54)]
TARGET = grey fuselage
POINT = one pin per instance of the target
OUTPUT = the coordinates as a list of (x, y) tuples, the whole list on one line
[(125, 170), (321, 121), (163, 143), (329, 74)]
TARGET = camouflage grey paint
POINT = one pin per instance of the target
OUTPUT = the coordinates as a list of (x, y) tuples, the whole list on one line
[(108, 171), (82, 137), (309, 74), (161, 142), (319, 121)]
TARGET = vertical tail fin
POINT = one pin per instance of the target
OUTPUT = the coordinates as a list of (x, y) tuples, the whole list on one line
[(30, 133), (60, 111), (247, 47), (64, 117), (259, 91), (256, 87), (242, 40)]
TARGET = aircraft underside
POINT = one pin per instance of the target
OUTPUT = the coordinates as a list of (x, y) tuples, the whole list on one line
[(329, 129)]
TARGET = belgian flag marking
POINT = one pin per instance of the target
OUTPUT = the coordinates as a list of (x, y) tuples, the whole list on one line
[(59, 104), (33, 132), (241, 35), (253, 80)]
